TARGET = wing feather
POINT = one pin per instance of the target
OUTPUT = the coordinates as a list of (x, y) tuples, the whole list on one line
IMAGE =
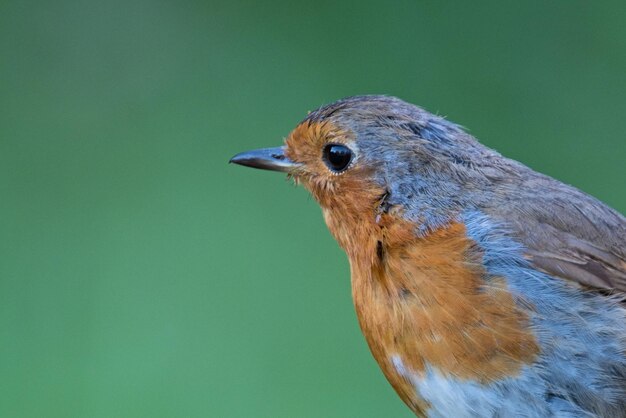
[(567, 233)]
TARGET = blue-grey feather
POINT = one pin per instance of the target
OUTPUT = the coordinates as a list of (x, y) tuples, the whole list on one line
[(582, 365)]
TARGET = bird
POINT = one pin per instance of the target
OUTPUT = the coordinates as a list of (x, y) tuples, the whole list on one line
[(483, 288)]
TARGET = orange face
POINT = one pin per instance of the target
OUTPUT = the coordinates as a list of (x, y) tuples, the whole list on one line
[(309, 145), (343, 185)]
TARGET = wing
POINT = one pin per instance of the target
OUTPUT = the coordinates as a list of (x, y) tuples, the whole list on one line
[(567, 233)]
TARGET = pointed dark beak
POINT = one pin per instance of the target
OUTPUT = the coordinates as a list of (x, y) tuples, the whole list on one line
[(266, 159)]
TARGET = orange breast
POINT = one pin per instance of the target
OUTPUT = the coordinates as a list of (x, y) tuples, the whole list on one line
[(426, 301)]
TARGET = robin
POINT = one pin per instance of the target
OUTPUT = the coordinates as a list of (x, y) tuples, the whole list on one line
[(483, 288)]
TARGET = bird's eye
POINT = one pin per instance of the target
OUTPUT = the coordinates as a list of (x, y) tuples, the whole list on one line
[(337, 157)]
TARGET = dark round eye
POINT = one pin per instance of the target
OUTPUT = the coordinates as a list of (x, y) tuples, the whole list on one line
[(337, 157)]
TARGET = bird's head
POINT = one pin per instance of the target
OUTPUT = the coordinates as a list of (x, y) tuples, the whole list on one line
[(365, 156)]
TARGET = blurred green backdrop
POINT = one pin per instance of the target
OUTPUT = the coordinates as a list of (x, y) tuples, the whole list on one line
[(142, 276)]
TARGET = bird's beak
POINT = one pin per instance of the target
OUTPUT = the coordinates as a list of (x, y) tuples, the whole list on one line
[(266, 159)]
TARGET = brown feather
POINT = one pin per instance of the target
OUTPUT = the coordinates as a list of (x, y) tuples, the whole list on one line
[(567, 233)]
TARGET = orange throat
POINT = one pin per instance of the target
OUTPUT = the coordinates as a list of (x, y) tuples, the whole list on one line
[(427, 302)]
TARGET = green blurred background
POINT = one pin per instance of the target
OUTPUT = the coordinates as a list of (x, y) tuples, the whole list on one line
[(142, 276)]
